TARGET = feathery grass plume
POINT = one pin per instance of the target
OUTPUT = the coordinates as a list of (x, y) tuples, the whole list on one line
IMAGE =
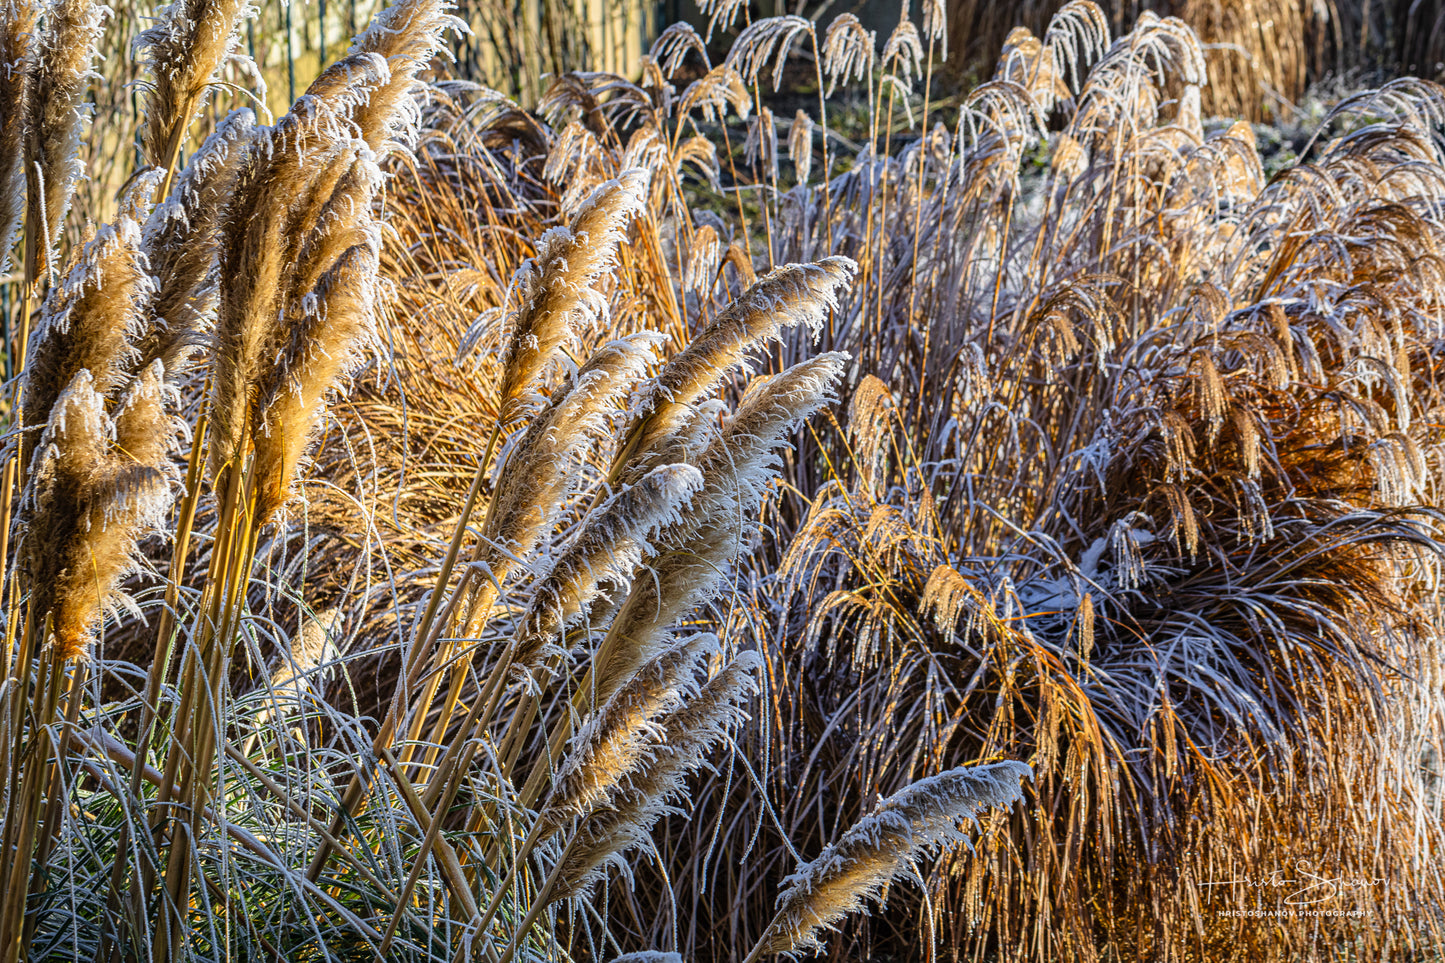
[(557, 287), (618, 739), (180, 240), (67, 463), (322, 350), (408, 36), (796, 294), (721, 520), (99, 483), (688, 736), (311, 648), (325, 327), (911, 824), (301, 201), (703, 258), (266, 222), (18, 19), (88, 320), (767, 40), (602, 558), (56, 112), (540, 466), (184, 51), (800, 145), (648, 956)]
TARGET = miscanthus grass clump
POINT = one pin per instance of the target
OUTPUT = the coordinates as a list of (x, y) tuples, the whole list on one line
[(180, 778)]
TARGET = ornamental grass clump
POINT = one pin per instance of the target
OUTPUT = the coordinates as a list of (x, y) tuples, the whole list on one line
[(1137, 484), (425, 536), (179, 779)]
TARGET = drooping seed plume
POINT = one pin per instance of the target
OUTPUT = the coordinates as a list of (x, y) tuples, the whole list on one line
[(618, 739), (99, 483), (541, 464), (720, 521), (407, 36), (89, 320), (297, 256)]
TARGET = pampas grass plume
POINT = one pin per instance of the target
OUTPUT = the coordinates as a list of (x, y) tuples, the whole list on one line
[(17, 29), (605, 554), (912, 823), (557, 286), (55, 102), (183, 52), (791, 295), (688, 735)]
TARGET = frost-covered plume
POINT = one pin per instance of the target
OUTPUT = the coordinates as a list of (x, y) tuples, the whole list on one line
[(719, 522), (626, 733), (601, 560), (56, 113), (917, 821), (800, 145), (687, 737), (88, 320), (796, 294), (557, 287), (180, 240), (408, 36), (17, 33), (298, 250), (183, 52), (99, 483), (539, 467)]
